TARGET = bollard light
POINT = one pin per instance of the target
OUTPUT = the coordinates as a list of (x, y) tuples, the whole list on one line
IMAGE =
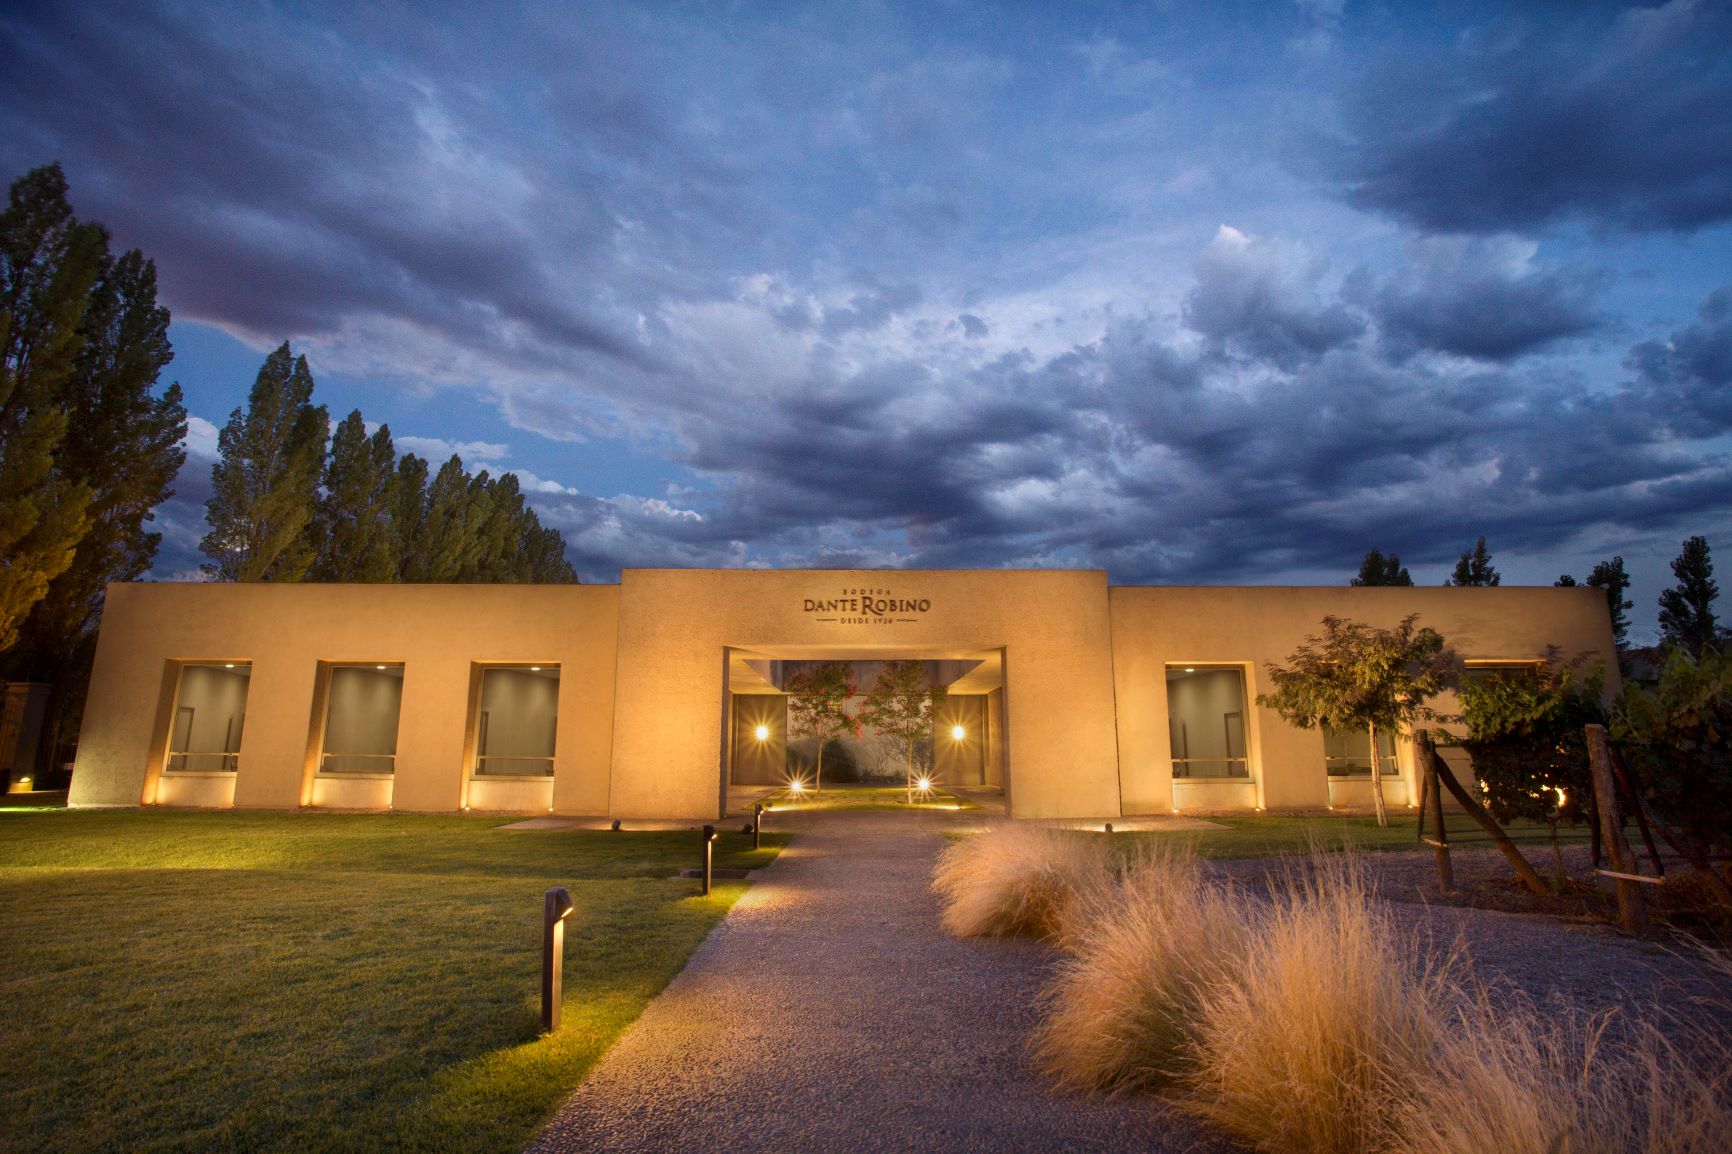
[(1109, 828), (709, 855), (758, 826), (556, 907), (615, 825)]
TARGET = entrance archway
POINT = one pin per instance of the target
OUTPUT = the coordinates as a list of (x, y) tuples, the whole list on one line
[(967, 747)]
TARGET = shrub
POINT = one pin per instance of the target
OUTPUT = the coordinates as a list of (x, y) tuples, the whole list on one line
[(1145, 946), (1322, 1031), (1677, 741), (1016, 879)]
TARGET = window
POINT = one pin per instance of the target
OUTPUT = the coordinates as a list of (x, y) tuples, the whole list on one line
[(209, 710), (1480, 672), (1206, 712), (362, 706), (1347, 753), (518, 722)]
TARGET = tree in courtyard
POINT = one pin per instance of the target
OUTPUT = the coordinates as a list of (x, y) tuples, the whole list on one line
[(49, 263), (1530, 753), (817, 705), (1610, 577), (1360, 677), (353, 538), (1687, 609), (266, 479), (1474, 568), (900, 705), (1377, 569)]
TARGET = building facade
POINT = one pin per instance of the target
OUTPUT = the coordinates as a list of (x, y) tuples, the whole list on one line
[(650, 698)]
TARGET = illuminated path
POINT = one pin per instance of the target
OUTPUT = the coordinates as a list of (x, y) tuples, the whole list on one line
[(829, 1012)]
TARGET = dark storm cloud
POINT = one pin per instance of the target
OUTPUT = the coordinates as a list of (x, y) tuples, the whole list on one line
[(1616, 118), (1691, 373), (1249, 303), (300, 181)]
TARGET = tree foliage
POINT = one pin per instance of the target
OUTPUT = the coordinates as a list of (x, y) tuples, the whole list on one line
[(49, 263), (1356, 676), (1529, 750), (353, 539), (1474, 568), (817, 705), (1377, 569), (1687, 609), (266, 480), (1610, 577), (901, 704), (1676, 740)]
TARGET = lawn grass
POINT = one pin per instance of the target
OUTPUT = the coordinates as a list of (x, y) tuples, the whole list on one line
[(198, 981), (891, 797)]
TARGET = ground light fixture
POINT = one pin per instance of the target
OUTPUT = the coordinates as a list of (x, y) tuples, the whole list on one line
[(958, 733), (709, 855), (796, 786), (923, 784), (556, 907), (762, 733)]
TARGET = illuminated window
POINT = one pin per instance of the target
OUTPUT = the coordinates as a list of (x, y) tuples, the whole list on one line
[(209, 709), (1480, 672), (361, 712), (518, 722), (1206, 714), (1347, 753)]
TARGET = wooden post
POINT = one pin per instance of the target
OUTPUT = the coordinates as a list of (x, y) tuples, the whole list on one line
[(1682, 847), (1640, 811), (1432, 798), (1630, 909), (1487, 822)]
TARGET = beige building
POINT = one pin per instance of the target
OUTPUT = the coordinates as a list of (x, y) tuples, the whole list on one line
[(652, 697)]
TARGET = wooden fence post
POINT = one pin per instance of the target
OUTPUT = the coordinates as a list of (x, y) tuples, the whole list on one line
[(1487, 822), (1431, 801), (1630, 908)]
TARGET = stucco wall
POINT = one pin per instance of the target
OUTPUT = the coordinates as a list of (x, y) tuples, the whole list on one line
[(1155, 627), (437, 632)]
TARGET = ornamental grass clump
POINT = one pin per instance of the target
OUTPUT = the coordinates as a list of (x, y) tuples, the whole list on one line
[(1325, 1027), (1145, 947), (1016, 879), (1514, 1080)]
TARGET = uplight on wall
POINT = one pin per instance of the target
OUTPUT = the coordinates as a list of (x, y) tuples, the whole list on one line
[(762, 733), (958, 733)]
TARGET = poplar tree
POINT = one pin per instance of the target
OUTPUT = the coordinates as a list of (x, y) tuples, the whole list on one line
[(443, 547), (1610, 577), (1475, 568), (1687, 609), (1377, 569), (409, 513), (267, 478), (125, 443), (49, 263), (353, 537)]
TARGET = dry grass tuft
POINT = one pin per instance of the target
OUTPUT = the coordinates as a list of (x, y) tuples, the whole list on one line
[(1017, 879), (1145, 946), (1316, 1040)]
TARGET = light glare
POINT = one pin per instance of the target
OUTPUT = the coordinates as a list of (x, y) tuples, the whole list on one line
[(762, 733), (957, 733)]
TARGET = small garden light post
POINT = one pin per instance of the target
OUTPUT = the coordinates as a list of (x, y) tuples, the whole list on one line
[(709, 855), (555, 909), (757, 825)]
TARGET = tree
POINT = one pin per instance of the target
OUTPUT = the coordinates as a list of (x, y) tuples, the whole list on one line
[(409, 513), (49, 263), (1610, 577), (1377, 569), (444, 545), (1475, 568), (353, 538), (267, 477), (1529, 750), (817, 704), (1356, 676), (1687, 609), (900, 705)]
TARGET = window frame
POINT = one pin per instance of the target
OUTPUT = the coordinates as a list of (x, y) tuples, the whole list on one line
[(1180, 765), (478, 732), (231, 758), (327, 675)]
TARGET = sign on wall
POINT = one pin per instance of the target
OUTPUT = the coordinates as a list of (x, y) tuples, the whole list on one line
[(866, 605)]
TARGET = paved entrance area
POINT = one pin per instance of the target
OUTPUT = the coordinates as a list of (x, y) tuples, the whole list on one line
[(829, 1012)]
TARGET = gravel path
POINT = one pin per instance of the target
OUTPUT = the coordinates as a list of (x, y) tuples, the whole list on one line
[(830, 1012)]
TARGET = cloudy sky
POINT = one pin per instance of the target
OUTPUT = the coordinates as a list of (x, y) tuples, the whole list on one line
[(1190, 292)]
